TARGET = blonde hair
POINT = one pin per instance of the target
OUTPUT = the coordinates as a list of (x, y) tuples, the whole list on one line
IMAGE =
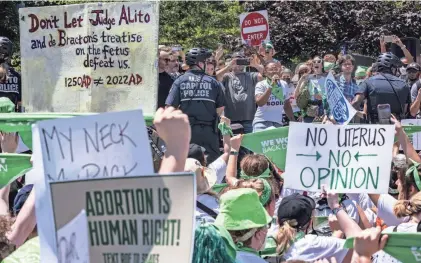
[(410, 207), (285, 236)]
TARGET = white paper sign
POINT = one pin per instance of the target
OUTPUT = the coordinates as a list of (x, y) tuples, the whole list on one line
[(104, 145), (93, 57), (340, 108), (73, 240), (414, 138), (347, 159)]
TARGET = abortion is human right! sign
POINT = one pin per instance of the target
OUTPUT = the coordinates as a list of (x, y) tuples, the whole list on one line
[(347, 159)]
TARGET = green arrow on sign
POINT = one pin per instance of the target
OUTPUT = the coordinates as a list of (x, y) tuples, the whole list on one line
[(317, 155), (358, 155)]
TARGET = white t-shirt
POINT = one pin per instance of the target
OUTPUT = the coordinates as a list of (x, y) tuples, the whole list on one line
[(364, 201), (312, 247), (291, 95), (220, 168), (247, 257), (209, 201), (385, 210), (274, 108)]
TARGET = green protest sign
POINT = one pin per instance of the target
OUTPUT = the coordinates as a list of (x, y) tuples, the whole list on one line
[(405, 247), (272, 143), (12, 166), (28, 252), (22, 122)]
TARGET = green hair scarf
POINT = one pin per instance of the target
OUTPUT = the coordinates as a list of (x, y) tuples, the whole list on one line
[(267, 190), (414, 171)]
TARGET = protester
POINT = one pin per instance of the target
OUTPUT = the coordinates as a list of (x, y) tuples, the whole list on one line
[(346, 83), (293, 238), (413, 73), (213, 244), (244, 217), (165, 81), (384, 88), (272, 100), (203, 102), (286, 75), (11, 85), (310, 93), (239, 89), (329, 58)]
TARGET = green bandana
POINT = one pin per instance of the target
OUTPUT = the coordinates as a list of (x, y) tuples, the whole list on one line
[(414, 170), (6, 105), (267, 191), (225, 129), (277, 90), (218, 187), (264, 175), (405, 247), (13, 166)]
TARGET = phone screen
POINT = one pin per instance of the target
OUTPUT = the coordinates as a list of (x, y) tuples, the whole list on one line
[(384, 113), (388, 39)]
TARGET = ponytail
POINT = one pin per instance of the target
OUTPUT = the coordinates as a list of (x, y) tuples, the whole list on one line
[(285, 236), (405, 208)]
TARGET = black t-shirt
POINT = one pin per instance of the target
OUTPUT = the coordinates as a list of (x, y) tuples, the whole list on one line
[(12, 87), (164, 86), (378, 90), (197, 94)]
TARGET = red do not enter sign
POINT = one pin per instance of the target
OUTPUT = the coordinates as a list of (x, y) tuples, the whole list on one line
[(254, 28)]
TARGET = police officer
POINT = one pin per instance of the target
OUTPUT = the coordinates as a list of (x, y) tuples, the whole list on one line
[(10, 86), (201, 97), (384, 88)]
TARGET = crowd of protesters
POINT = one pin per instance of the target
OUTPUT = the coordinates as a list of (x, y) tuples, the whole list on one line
[(207, 101)]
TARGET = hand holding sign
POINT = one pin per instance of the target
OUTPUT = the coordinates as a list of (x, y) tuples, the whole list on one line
[(369, 242), (9, 142)]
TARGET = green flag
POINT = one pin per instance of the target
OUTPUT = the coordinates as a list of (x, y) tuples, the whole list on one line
[(405, 247), (22, 122), (28, 252), (12, 166), (272, 143)]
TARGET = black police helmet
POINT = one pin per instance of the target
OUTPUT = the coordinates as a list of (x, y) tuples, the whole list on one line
[(5, 46), (389, 60), (196, 55), (414, 65)]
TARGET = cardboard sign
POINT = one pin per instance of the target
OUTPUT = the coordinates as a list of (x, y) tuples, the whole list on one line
[(254, 27), (339, 106), (95, 57), (347, 159), (144, 219), (272, 143), (96, 146), (73, 240)]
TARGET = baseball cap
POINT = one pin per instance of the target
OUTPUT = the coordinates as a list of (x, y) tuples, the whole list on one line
[(414, 65), (197, 152), (298, 207), (205, 177)]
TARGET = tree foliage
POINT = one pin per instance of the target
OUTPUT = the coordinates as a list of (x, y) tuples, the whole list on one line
[(198, 23), (306, 28)]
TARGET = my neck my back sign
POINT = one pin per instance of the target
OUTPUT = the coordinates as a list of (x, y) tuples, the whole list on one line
[(347, 159)]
